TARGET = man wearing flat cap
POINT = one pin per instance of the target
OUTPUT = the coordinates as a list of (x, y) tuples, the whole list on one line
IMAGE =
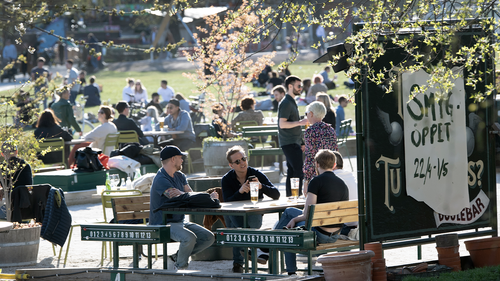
[(179, 120), (169, 183)]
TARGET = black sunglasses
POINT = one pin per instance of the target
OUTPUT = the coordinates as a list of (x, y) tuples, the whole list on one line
[(237, 162)]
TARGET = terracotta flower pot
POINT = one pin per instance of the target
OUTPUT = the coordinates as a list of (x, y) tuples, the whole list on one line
[(448, 251), (451, 262), (376, 247), (352, 266), (379, 276), (378, 265), (484, 252)]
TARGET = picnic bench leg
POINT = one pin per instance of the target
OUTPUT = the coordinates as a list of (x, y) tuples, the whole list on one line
[(273, 257), (165, 256), (136, 252), (309, 263), (150, 258), (254, 260), (245, 225), (116, 256), (282, 261)]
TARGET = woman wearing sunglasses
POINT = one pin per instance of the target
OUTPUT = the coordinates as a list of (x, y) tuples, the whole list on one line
[(97, 136), (236, 187)]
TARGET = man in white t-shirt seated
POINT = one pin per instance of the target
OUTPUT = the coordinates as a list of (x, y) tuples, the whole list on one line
[(166, 92), (352, 184)]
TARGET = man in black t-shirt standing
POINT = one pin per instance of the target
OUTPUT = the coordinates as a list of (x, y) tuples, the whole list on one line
[(324, 188), (290, 132)]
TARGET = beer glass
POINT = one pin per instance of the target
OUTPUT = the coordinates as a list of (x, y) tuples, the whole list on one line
[(295, 187), (162, 120), (254, 192)]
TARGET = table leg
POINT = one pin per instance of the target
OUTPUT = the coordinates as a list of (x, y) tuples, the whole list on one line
[(116, 256)]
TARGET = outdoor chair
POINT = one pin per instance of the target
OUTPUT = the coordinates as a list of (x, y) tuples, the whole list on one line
[(342, 134), (128, 136), (106, 197), (55, 145)]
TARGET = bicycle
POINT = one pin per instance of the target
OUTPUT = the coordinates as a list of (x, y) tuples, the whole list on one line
[(81, 117)]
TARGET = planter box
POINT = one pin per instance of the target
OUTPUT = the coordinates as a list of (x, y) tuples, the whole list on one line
[(71, 181)]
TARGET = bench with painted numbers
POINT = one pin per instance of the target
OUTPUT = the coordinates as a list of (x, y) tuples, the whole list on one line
[(126, 234), (297, 241), (129, 208)]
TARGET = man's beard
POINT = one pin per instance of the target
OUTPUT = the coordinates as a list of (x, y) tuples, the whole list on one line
[(296, 92), (179, 167)]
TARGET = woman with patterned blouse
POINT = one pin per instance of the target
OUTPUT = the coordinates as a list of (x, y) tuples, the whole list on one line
[(318, 136)]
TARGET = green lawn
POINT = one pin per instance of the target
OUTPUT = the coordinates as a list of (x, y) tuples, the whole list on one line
[(114, 81)]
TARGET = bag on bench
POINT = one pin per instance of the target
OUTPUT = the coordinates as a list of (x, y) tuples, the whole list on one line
[(87, 160)]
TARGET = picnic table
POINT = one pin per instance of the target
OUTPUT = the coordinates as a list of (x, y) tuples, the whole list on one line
[(239, 208)]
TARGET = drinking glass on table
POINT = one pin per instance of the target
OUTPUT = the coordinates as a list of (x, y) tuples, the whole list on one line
[(295, 187), (114, 179), (162, 120), (254, 192)]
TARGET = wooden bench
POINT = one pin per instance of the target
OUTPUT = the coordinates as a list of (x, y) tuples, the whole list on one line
[(327, 214), (295, 241), (129, 208)]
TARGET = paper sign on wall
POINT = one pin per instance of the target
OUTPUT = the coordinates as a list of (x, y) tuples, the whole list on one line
[(435, 145)]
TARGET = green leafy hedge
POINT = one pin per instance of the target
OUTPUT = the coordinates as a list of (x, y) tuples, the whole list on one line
[(478, 274)]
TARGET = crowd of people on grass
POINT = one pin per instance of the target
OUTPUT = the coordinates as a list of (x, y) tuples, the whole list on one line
[(320, 174)]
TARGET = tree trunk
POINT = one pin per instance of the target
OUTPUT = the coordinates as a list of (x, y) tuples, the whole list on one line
[(7, 196)]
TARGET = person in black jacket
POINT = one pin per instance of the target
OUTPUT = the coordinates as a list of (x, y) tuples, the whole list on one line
[(91, 92), (48, 128), (236, 187), (330, 117), (123, 123)]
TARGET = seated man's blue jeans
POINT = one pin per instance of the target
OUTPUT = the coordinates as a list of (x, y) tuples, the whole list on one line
[(194, 238), (286, 217), (254, 221)]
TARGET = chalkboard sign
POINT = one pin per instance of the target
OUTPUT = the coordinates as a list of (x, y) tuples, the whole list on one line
[(429, 159)]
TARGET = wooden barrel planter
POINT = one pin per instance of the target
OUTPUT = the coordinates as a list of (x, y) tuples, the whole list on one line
[(214, 156), (353, 266), (19, 247)]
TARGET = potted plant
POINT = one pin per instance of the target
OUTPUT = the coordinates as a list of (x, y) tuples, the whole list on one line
[(18, 246), (223, 71)]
